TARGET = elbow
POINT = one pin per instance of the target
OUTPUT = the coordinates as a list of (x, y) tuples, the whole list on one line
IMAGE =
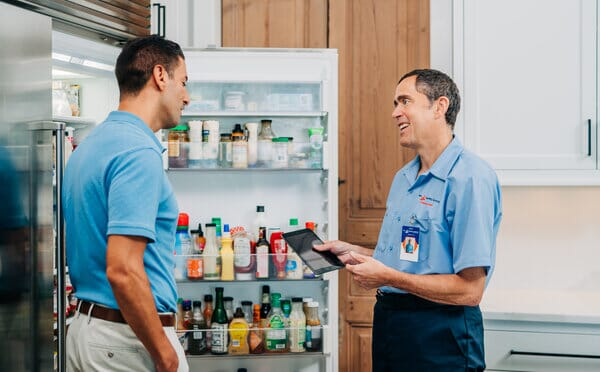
[(117, 277)]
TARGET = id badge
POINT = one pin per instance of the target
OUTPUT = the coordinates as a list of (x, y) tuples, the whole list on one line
[(409, 247)]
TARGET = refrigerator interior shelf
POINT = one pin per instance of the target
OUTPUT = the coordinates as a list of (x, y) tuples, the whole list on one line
[(75, 121), (306, 354), (257, 114), (244, 169), (249, 282)]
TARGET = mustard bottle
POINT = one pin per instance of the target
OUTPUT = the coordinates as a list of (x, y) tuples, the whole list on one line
[(238, 334)]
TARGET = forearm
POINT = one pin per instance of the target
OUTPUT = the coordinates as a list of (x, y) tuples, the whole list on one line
[(362, 250), (453, 289)]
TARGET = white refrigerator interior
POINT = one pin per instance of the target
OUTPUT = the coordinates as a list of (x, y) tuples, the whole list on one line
[(297, 91)]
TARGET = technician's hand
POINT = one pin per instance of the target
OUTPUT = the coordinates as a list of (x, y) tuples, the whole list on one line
[(341, 249), (367, 271), (169, 362)]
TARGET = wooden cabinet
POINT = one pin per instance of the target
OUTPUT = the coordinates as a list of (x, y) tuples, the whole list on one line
[(528, 73), (191, 23)]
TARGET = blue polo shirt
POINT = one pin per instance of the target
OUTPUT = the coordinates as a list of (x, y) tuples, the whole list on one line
[(454, 209), (114, 184)]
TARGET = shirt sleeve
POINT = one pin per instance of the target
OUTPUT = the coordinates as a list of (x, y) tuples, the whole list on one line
[(133, 193), (474, 206)]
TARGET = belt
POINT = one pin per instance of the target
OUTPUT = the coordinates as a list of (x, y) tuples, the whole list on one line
[(406, 301), (112, 315)]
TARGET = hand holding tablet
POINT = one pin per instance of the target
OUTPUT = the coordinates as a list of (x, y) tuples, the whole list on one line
[(302, 242)]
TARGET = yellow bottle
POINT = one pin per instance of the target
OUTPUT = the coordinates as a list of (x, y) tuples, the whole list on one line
[(238, 334), (226, 255)]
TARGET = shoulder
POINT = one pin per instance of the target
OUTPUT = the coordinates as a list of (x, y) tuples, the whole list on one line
[(470, 169)]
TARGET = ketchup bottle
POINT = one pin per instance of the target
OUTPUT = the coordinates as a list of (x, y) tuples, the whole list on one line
[(279, 253)]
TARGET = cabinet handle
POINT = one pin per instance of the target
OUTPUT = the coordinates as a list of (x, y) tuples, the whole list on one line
[(589, 152), (559, 355), (162, 19)]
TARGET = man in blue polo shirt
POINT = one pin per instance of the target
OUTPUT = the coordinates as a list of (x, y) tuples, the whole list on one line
[(121, 215), (436, 248)]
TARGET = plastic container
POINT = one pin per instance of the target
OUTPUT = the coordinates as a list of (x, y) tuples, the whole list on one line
[(178, 147), (280, 152)]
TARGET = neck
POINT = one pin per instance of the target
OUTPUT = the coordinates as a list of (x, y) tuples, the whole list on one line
[(144, 107), (430, 153)]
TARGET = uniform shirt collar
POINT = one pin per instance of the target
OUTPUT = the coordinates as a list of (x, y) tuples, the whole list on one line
[(136, 121), (441, 167)]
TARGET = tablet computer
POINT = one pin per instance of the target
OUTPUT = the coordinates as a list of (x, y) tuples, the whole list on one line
[(302, 242)]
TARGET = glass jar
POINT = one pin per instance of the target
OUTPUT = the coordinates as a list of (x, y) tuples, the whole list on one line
[(178, 146), (265, 146), (280, 152), (239, 152)]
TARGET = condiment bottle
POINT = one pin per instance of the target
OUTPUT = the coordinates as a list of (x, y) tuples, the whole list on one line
[(225, 151), (212, 259), (228, 303), (262, 254), (252, 129), (247, 309), (187, 321), (178, 146), (265, 307), (195, 263), (313, 327), (226, 255), (276, 339), (265, 147), (293, 266), (183, 246), (238, 333), (256, 337), (197, 338), (239, 152), (244, 261), (279, 253), (207, 313), (297, 333), (280, 152), (219, 325)]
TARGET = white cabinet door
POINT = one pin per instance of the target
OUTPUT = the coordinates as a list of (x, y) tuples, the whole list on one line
[(528, 70), (191, 23)]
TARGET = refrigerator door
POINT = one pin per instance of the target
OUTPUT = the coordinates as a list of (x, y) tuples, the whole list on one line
[(26, 194)]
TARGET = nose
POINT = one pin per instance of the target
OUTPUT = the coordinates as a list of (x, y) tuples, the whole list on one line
[(397, 111), (186, 98)]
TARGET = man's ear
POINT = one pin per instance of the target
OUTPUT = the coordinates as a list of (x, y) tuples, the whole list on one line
[(160, 76), (441, 106)]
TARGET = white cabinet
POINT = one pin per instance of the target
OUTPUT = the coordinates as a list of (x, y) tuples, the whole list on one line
[(541, 346), (191, 23), (527, 70), (297, 90)]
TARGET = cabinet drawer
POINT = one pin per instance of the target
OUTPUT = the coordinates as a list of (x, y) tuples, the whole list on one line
[(539, 351)]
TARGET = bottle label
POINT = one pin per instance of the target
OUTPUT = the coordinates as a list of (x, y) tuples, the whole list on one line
[(173, 149), (242, 252), (262, 261), (238, 333), (264, 151), (276, 336), (219, 338)]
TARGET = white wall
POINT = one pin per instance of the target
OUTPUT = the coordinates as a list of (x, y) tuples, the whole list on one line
[(548, 257)]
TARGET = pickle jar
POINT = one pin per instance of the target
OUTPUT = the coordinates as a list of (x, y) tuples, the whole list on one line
[(179, 141)]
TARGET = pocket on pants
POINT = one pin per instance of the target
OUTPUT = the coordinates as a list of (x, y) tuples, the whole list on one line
[(119, 358)]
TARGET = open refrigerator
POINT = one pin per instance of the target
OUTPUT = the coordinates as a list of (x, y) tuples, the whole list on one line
[(297, 90)]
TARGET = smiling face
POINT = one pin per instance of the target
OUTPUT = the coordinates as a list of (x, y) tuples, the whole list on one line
[(175, 95)]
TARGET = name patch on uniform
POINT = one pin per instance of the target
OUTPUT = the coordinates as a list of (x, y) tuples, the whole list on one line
[(409, 247)]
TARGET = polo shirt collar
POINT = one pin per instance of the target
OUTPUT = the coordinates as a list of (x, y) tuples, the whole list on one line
[(129, 118), (441, 167)]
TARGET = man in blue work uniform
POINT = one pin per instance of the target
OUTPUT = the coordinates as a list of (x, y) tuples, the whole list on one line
[(121, 214), (436, 248)]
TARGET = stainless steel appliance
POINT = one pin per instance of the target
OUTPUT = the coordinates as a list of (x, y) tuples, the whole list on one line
[(30, 222)]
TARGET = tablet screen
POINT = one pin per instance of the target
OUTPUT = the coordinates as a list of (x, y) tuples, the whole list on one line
[(302, 242)]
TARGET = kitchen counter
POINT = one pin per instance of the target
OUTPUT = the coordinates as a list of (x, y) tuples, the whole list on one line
[(581, 307)]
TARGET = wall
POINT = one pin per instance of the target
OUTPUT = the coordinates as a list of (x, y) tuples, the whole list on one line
[(547, 249)]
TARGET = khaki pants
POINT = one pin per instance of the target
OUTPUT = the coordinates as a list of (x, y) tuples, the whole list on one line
[(98, 345)]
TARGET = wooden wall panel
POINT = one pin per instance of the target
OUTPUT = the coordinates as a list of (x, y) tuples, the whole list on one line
[(274, 23)]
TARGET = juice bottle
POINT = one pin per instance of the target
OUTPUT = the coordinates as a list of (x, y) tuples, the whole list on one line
[(238, 333)]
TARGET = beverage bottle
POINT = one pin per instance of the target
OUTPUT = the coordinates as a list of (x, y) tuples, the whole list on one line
[(212, 259), (226, 255), (228, 303), (276, 340), (264, 145), (262, 254), (297, 332), (244, 254), (207, 314), (256, 337), (197, 336), (265, 307), (279, 253), (219, 325), (183, 246), (238, 333), (313, 327), (187, 322), (293, 265)]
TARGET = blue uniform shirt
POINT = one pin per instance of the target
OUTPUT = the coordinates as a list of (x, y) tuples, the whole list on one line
[(453, 210), (115, 184)]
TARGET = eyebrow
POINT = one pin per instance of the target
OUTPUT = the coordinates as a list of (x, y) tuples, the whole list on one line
[(401, 97)]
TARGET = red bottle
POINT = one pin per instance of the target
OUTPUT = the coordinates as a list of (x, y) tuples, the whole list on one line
[(279, 253)]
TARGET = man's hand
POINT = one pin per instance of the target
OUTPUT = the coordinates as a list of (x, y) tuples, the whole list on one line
[(367, 271), (341, 249), (168, 362)]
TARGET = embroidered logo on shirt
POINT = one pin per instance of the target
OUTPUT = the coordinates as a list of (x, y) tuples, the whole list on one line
[(427, 200)]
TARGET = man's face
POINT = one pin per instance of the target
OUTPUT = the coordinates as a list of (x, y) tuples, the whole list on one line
[(414, 115), (176, 94)]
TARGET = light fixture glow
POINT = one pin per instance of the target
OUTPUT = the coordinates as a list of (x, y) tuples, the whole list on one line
[(61, 57), (98, 65)]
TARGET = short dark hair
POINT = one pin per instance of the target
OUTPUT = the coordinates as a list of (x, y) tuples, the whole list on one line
[(435, 84), (138, 58)]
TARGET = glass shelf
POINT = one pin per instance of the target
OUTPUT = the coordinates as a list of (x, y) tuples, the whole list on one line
[(245, 169), (307, 354), (262, 114), (250, 282)]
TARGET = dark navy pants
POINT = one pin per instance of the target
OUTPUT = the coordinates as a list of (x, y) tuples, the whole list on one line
[(413, 334)]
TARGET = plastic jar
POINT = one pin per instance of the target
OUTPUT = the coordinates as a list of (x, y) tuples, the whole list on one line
[(280, 152), (225, 151), (179, 140)]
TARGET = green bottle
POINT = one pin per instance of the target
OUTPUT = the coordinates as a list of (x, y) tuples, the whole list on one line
[(276, 338), (219, 325)]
